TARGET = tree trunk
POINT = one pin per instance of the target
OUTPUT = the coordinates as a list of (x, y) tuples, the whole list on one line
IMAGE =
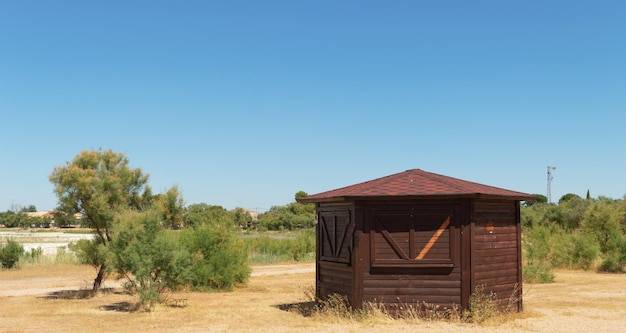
[(98, 281)]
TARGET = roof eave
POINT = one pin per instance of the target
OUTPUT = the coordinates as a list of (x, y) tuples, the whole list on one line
[(327, 199), (520, 197)]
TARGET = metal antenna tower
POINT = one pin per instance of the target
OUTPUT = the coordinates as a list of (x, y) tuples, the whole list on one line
[(550, 177)]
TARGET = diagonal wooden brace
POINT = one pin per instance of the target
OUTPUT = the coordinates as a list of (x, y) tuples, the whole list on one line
[(433, 239)]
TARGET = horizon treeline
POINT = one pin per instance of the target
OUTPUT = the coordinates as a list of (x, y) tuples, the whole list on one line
[(574, 233)]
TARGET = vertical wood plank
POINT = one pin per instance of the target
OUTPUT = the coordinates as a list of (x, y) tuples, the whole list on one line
[(360, 254), (519, 255), (466, 251)]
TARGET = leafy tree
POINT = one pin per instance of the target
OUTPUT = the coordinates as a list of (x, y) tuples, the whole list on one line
[(572, 211), (172, 207), (575, 234), (29, 209), (569, 196), (541, 214), (292, 216), (539, 199), (204, 214), (99, 184), (603, 220), (242, 218), (89, 252), (62, 219), (11, 219), (301, 194)]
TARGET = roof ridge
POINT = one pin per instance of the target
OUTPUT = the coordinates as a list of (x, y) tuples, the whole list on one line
[(444, 179), (441, 179)]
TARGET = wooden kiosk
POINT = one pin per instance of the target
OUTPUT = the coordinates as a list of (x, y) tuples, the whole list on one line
[(419, 238)]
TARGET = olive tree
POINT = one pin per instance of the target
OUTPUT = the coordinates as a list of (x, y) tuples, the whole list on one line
[(100, 184)]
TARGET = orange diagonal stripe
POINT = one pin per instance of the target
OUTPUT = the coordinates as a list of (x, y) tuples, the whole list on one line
[(433, 239)]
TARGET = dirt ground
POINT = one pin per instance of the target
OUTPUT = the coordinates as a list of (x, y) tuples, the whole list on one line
[(49, 299)]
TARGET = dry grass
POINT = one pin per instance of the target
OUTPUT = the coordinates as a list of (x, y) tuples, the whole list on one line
[(577, 302)]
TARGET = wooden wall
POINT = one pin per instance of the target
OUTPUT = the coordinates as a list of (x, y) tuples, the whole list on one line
[(496, 251), (414, 252), (414, 255)]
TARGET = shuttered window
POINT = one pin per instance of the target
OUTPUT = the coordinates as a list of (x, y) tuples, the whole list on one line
[(335, 240), (412, 237)]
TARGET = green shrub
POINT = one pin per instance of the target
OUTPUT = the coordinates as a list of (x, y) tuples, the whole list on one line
[(537, 243), (89, 251), (538, 253), (34, 256), (538, 273), (615, 260), (570, 250), (148, 256), (584, 251), (220, 257), (558, 247), (303, 244), (63, 256), (611, 264), (482, 306), (281, 247), (10, 254)]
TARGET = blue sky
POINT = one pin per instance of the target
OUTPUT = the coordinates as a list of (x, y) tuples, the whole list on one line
[(244, 103)]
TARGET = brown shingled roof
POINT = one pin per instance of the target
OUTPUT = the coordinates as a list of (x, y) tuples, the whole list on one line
[(415, 183)]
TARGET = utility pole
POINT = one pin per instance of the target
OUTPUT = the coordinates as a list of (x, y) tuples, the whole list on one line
[(550, 177)]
